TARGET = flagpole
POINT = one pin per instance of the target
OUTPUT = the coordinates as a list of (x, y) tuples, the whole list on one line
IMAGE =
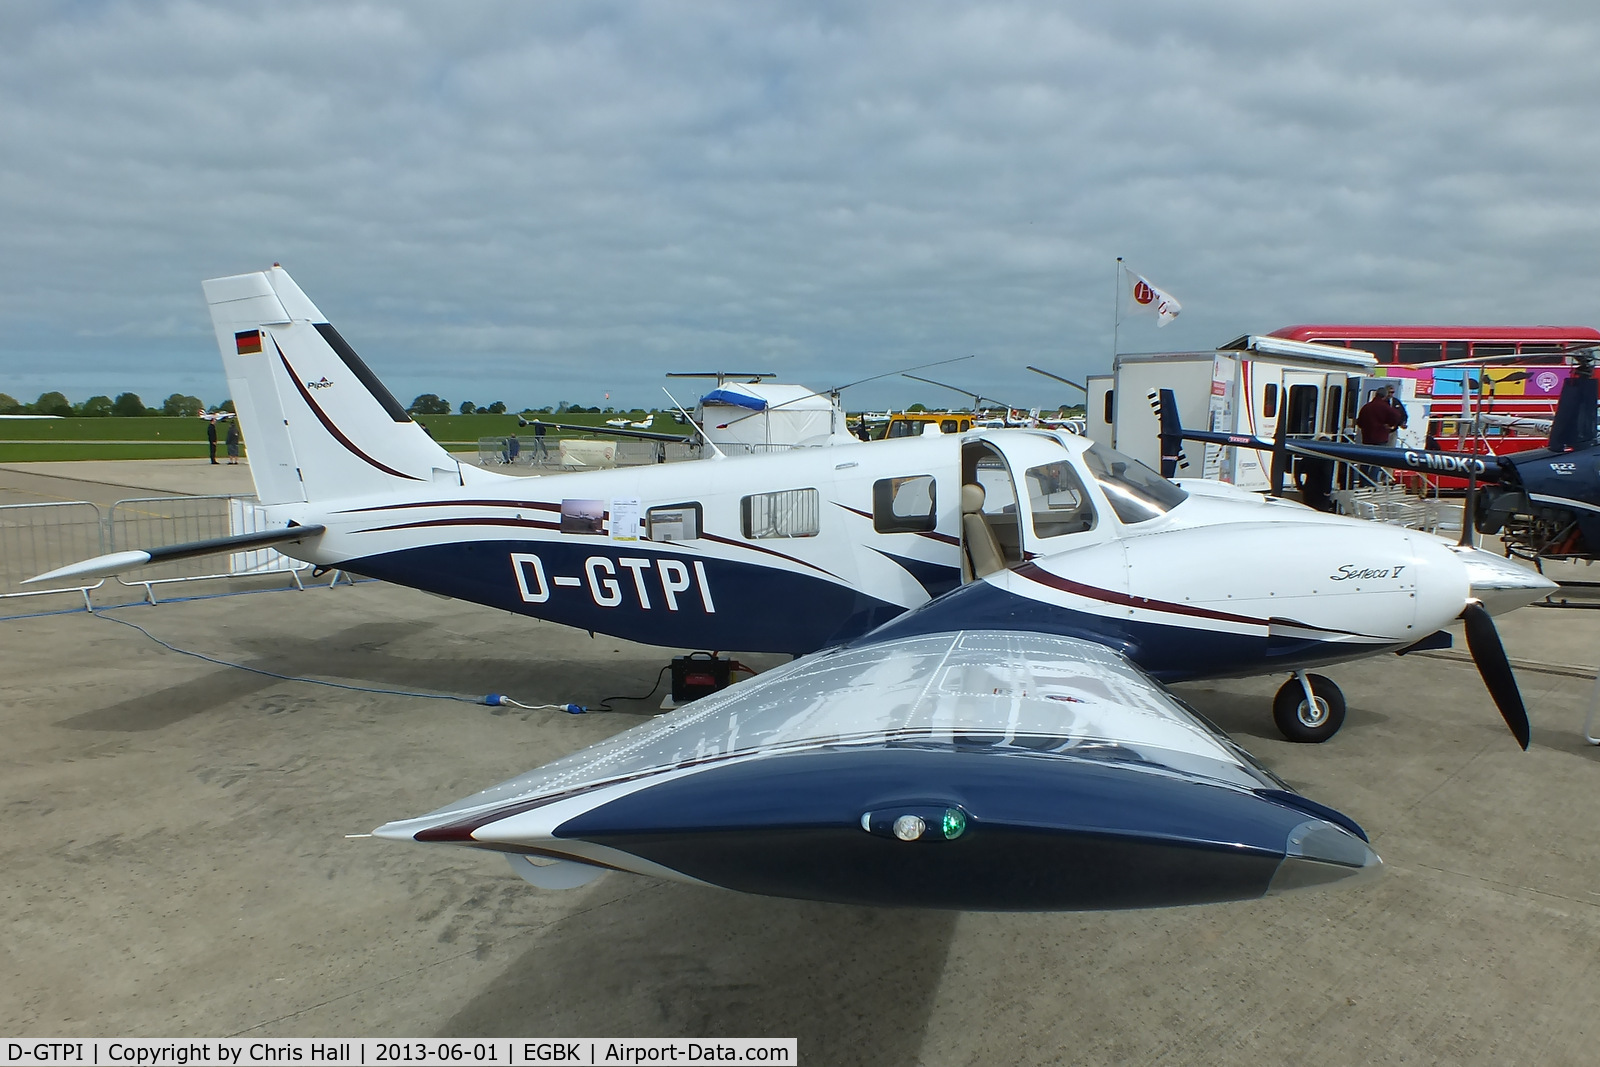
[(1116, 313)]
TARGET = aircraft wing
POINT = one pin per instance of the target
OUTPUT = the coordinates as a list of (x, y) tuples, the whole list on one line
[(979, 769)]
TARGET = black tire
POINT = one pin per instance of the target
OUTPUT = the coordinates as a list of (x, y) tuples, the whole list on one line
[(1294, 718)]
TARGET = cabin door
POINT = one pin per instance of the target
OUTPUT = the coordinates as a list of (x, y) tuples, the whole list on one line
[(991, 529)]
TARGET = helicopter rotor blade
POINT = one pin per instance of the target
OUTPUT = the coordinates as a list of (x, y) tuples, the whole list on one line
[(1068, 381), (977, 398), (846, 385), (1483, 641)]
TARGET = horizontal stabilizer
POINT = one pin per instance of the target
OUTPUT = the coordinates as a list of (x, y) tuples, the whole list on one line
[(117, 562)]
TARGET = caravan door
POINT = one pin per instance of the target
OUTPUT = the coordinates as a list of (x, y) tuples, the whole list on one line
[(1301, 401)]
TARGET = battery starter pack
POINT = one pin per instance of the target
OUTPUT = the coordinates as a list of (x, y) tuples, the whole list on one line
[(698, 675)]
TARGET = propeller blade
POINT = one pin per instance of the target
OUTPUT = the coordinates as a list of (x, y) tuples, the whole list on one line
[(1469, 509), (1483, 640)]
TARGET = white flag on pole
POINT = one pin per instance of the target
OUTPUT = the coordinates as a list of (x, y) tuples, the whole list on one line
[(1147, 298)]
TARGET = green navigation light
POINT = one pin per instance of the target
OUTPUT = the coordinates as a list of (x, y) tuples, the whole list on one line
[(955, 823)]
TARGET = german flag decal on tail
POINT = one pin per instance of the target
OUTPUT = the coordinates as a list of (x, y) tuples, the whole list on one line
[(249, 342)]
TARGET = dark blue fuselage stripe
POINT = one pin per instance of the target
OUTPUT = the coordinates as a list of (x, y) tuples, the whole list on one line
[(755, 608), (762, 609), (1169, 653)]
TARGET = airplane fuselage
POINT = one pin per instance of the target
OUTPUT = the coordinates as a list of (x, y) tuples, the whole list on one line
[(818, 547)]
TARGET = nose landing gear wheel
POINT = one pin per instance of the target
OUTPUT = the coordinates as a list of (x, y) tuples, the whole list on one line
[(1301, 720)]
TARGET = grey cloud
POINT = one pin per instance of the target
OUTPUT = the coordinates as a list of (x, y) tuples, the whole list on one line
[(528, 199)]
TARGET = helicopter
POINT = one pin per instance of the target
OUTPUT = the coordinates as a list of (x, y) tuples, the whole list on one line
[(1544, 503)]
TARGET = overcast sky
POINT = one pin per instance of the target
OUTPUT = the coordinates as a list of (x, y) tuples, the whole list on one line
[(538, 202)]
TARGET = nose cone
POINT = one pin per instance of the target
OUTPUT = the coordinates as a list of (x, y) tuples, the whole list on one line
[(1500, 583)]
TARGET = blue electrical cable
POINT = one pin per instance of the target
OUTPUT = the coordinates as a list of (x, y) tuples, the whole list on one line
[(491, 699)]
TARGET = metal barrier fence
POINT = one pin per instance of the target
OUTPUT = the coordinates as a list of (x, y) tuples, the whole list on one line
[(35, 538), (1392, 504), (577, 453), (167, 520)]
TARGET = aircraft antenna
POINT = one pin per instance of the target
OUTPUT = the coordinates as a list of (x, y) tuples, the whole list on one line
[(702, 430)]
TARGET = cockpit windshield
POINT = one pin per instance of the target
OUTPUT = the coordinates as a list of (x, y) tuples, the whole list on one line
[(1136, 492)]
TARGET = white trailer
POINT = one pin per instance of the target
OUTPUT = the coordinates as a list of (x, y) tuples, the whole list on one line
[(1243, 387)]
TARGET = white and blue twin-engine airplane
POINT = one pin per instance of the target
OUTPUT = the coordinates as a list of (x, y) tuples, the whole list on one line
[(985, 620)]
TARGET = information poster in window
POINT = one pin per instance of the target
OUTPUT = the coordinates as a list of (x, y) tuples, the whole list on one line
[(625, 519)]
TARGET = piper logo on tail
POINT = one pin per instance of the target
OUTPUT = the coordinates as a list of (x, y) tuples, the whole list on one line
[(321, 383)]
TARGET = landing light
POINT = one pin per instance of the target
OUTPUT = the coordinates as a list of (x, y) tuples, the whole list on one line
[(909, 827)]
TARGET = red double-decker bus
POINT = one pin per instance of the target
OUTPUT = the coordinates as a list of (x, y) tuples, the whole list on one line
[(1521, 389)]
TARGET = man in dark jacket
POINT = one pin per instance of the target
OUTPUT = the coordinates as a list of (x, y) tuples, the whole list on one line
[(1380, 417), (211, 439)]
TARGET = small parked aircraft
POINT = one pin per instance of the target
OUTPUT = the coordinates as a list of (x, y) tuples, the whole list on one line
[(1007, 529)]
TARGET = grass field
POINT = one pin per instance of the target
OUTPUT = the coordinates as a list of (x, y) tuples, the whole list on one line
[(36, 440)]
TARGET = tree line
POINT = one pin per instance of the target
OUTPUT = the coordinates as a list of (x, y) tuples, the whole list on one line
[(433, 404), (125, 406), (129, 405)]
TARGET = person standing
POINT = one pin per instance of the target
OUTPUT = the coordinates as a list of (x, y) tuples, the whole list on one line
[(1377, 420), (233, 441), (538, 443), (1380, 417), (211, 439)]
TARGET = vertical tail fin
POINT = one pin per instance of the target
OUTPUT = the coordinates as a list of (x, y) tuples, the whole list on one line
[(1171, 433), (320, 424)]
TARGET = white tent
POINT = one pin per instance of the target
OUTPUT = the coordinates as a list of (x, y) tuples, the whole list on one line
[(759, 417)]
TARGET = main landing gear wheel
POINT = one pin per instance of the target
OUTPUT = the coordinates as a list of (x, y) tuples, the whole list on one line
[(1308, 721)]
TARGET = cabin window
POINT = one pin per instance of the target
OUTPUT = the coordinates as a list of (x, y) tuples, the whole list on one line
[(947, 426), (1352, 404), (1057, 500), (674, 522), (904, 505), (1110, 393), (1420, 351), (1487, 351), (790, 513), (900, 428), (1332, 420), (1383, 350), (1269, 403), (1136, 492)]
